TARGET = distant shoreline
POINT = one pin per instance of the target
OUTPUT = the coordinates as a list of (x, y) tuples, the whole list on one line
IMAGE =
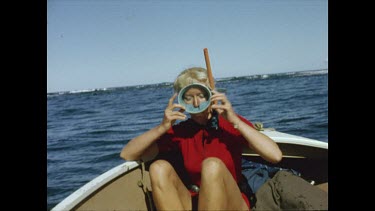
[(255, 76)]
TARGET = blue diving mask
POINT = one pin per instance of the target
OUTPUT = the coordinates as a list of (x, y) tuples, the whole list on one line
[(190, 108)]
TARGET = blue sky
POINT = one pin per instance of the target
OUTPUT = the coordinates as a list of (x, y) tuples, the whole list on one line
[(111, 43)]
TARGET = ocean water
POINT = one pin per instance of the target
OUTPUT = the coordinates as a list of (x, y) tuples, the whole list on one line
[(87, 129)]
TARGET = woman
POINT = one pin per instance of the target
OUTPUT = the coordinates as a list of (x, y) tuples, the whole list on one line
[(210, 143)]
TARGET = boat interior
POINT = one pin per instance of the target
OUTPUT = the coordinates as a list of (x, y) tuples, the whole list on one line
[(133, 188)]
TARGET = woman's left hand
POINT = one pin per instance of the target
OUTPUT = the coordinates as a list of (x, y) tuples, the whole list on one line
[(225, 108)]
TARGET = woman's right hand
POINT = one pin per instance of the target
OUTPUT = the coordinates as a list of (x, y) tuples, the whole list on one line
[(171, 115)]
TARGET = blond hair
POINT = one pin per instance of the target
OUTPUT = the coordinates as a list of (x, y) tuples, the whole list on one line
[(189, 76)]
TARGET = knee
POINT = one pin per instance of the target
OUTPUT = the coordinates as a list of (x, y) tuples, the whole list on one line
[(159, 170), (212, 168)]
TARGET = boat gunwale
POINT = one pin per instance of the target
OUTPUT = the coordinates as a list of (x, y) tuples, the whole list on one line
[(79, 195), (285, 138)]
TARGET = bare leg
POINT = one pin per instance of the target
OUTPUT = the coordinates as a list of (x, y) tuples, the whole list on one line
[(168, 191), (219, 190)]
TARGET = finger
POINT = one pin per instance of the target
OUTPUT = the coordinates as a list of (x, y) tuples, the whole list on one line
[(180, 118), (218, 97), (218, 110), (215, 92), (178, 113), (182, 110), (177, 116), (223, 99), (177, 106), (220, 106), (172, 99), (171, 114)]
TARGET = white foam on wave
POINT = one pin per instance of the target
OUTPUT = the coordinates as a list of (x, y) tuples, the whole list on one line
[(87, 90), (313, 72)]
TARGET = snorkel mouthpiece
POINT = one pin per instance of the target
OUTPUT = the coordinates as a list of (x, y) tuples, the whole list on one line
[(190, 108)]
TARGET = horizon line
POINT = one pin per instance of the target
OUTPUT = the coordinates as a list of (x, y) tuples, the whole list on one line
[(147, 84)]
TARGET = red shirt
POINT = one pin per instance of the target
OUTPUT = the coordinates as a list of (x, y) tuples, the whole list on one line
[(197, 142)]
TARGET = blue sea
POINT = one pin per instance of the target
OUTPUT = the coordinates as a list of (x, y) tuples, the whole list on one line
[(87, 129)]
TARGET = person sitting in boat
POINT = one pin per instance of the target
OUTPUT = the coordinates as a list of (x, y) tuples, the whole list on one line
[(210, 142)]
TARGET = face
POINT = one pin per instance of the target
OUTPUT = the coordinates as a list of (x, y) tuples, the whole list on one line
[(195, 96)]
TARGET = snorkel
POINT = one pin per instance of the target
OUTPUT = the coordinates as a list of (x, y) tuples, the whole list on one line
[(206, 91)]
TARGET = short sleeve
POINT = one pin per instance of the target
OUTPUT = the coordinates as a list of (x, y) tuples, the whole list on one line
[(165, 142)]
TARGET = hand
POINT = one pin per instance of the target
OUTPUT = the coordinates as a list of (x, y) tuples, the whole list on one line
[(170, 115), (225, 108)]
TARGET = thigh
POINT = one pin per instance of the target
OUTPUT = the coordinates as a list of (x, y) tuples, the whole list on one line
[(167, 184), (235, 197), (220, 184)]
